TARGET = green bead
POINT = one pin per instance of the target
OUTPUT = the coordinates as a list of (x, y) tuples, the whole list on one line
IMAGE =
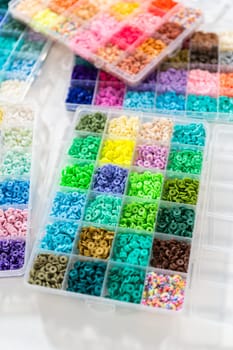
[(94, 122), (185, 161), (145, 185), (181, 190), (131, 217), (77, 175), (85, 147), (97, 210), (15, 163), (130, 284)]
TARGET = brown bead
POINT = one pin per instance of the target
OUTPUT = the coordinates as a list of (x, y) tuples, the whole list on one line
[(170, 254), (134, 63)]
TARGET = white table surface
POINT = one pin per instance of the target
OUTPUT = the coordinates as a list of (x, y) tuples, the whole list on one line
[(34, 321)]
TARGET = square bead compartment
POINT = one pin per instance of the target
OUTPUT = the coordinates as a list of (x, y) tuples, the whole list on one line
[(16, 137), (22, 54), (108, 34), (181, 84), (85, 259)]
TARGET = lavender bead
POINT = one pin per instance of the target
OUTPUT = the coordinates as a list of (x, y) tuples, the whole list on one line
[(172, 80), (110, 179), (151, 156), (11, 254)]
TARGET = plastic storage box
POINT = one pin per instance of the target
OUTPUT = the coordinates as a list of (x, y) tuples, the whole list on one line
[(126, 38), (16, 131), (22, 54), (78, 239), (182, 84)]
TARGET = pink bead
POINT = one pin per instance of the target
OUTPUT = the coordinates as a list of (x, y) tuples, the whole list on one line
[(151, 156), (202, 82), (13, 222)]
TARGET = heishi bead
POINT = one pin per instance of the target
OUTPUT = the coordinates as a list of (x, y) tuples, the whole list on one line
[(189, 134), (145, 184), (125, 284), (15, 163), (117, 152), (110, 179), (95, 242), (92, 122), (77, 175), (174, 80), (86, 277), (184, 190), (59, 236), (85, 147), (157, 130), (103, 209), (151, 156), (14, 192), (122, 9), (202, 82), (185, 161), (164, 291), (110, 94), (170, 101), (13, 223), (176, 220), (17, 137), (48, 270), (68, 205), (132, 248), (123, 126), (12, 254), (199, 103), (139, 215), (139, 100)]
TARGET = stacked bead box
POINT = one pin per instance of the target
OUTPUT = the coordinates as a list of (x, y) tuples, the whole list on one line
[(16, 135), (126, 38), (198, 79), (22, 54), (121, 220)]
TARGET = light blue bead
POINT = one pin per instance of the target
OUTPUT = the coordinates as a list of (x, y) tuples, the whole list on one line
[(170, 101), (59, 236), (143, 100), (68, 205)]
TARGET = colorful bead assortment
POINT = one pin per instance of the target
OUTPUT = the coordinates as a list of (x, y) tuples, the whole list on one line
[(15, 166), (198, 79), (125, 226), (129, 37), (22, 53)]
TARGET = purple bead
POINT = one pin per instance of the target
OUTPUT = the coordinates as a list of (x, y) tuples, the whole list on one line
[(81, 72), (172, 80), (151, 156), (110, 178), (11, 254)]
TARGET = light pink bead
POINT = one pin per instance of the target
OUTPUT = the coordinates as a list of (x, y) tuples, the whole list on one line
[(202, 82), (13, 223)]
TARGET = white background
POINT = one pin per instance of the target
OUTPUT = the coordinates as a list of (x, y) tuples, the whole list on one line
[(35, 321)]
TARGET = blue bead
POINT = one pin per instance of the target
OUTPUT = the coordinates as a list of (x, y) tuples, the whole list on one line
[(170, 101), (15, 191), (143, 100), (110, 178), (68, 205)]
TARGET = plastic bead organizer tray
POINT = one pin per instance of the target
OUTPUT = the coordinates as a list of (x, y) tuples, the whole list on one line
[(16, 136), (126, 38), (22, 53), (121, 220), (197, 79)]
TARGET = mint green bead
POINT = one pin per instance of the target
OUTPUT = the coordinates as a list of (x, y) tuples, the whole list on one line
[(103, 209), (86, 147), (15, 163), (185, 161)]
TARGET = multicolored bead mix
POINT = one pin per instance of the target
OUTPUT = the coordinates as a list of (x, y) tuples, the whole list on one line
[(15, 165), (22, 53), (122, 219), (130, 37), (198, 79)]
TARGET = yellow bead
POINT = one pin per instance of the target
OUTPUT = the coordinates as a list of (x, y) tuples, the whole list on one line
[(117, 152)]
